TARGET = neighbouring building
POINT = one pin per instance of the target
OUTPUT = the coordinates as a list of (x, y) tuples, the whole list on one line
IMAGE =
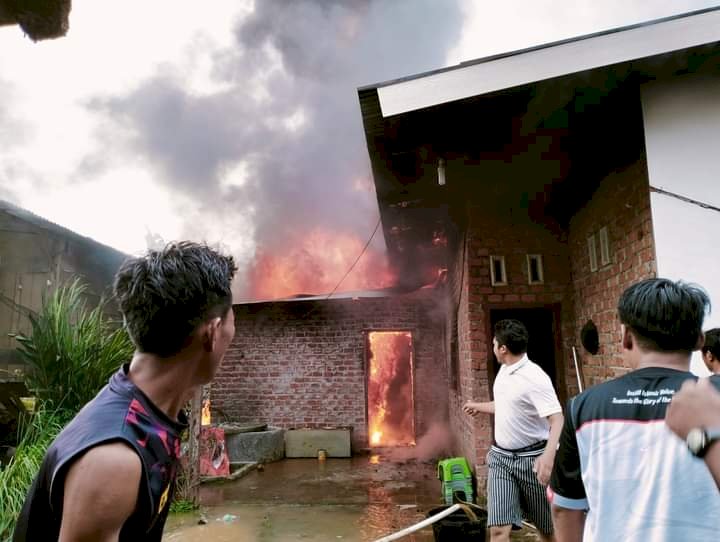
[(553, 177), (40, 20), (36, 256)]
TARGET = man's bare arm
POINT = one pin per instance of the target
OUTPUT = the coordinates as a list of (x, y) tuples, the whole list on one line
[(697, 404), (544, 463), (101, 492), (568, 524), (474, 408)]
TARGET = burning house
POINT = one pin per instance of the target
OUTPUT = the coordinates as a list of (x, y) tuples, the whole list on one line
[(535, 185), (555, 177), (367, 361)]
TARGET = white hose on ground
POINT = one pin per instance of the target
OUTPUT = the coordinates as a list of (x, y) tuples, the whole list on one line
[(424, 523)]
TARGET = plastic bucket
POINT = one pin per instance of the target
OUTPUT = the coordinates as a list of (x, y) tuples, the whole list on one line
[(458, 527)]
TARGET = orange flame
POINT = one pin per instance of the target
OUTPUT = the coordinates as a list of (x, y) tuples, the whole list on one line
[(390, 389), (205, 418), (315, 264)]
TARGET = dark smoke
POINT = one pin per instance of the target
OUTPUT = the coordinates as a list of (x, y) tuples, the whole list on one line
[(316, 176)]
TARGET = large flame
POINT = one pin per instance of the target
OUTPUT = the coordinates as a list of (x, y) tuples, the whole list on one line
[(315, 264), (390, 389)]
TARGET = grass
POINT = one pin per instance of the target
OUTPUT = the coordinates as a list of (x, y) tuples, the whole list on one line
[(182, 506), (36, 434)]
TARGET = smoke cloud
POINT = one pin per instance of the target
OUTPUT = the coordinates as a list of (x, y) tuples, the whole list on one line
[(277, 150), (435, 443)]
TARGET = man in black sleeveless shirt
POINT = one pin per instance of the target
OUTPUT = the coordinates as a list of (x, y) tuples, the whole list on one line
[(109, 475)]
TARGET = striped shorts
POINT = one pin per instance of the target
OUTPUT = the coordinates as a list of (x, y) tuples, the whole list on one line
[(514, 492)]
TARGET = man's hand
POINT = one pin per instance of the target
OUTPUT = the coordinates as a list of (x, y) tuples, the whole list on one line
[(696, 404), (471, 408), (543, 464), (543, 467)]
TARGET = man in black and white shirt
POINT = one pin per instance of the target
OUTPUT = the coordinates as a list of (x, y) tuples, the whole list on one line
[(528, 421), (620, 473)]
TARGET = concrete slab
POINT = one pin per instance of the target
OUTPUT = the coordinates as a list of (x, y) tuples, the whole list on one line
[(256, 446), (307, 442)]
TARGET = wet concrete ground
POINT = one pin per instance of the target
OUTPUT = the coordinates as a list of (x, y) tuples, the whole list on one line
[(349, 500)]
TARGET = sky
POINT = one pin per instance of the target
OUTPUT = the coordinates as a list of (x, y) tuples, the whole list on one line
[(237, 124)]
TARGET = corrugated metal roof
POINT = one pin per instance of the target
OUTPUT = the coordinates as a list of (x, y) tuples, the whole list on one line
[(357, 294), (52, 227)]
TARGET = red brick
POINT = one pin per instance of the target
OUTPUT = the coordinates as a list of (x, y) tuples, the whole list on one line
[(303, 364)]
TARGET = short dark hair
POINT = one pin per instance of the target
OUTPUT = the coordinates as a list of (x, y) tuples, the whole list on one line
[(664, 316), (513, 335), (167, 293), (712, 342)]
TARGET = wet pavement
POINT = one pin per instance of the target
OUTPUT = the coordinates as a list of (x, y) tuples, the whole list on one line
[(349, 500)]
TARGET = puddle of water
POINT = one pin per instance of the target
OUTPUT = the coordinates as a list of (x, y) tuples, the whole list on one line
[(347, 500), (358, 480), (286, 523)]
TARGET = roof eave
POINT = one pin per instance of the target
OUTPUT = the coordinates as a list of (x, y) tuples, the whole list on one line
[(548, 61)]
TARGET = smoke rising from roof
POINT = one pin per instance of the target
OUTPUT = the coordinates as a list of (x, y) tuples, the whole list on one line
[(277, 148)]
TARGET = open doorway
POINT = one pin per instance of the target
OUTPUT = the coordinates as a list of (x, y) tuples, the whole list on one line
[(542, 343), (390, 398)]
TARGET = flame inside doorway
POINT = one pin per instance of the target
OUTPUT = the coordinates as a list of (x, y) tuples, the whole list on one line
[(390, 389)]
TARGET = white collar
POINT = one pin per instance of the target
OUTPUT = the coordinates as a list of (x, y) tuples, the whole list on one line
[(517, 365)]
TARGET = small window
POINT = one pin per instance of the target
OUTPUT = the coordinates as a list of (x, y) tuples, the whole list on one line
[(535, 269), (604, 246), (592, 253), (498, 276)]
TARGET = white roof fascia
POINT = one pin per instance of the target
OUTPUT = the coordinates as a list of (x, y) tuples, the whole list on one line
[(466, 81)]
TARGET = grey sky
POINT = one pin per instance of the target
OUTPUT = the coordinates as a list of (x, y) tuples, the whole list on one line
[(236, 125)]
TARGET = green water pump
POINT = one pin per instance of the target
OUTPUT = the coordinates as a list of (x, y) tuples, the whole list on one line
[(456, 478)]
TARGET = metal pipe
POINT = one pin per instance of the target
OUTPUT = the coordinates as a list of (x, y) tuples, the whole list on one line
[(577, 370)]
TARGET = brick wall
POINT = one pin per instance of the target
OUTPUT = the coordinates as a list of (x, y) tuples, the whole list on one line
[(467, 379), (622, 204), (509, 233), (303, 363)]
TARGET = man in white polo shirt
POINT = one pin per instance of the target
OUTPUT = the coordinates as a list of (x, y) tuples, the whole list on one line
[(528, 422)]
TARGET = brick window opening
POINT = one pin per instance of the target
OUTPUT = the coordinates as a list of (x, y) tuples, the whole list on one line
[(498, 276), (535, 269), (390, 401), (604, 246), (592, 253)]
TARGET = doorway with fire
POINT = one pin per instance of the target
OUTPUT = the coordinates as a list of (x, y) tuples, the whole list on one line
[(390, 389)]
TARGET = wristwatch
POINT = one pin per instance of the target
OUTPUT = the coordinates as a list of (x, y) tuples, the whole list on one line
[(699, 439)]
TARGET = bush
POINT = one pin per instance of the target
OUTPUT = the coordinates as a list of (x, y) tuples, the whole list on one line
[(72, 351), (36, 434)]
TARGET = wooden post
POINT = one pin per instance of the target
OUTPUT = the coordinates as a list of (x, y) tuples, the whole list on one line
[(193, 464)]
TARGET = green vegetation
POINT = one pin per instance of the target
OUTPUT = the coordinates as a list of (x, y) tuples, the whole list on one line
[(71, 354), (72, 351), (182, 506), (36, 434)]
